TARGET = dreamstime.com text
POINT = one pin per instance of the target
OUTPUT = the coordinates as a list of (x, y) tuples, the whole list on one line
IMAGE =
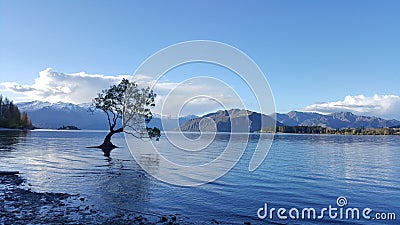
[(341, 211)]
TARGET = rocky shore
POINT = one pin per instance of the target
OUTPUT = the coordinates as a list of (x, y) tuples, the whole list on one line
[(20, 205)]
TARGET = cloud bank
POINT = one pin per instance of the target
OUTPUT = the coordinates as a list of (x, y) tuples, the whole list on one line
[(386, 106), (53, 86), (82, 87)]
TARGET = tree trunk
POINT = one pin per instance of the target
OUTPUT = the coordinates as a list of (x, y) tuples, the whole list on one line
[(107, 145), (107, 140)]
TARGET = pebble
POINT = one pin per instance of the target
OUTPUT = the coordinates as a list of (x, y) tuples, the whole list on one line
[(164, 219)]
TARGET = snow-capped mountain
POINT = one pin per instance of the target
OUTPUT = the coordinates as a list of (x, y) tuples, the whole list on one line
[(32, 106), (54, 115), (37, 105)]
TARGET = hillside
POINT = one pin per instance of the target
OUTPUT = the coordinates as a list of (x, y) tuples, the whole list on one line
[(55, 115), (242, 121), (337, 120), (221, 123)]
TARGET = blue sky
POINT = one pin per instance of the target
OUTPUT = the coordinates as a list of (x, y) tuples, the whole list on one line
[(313, 53)]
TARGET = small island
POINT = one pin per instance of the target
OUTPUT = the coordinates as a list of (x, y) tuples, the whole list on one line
[(69, 127)]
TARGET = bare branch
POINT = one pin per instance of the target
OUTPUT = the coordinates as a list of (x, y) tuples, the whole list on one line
[(108, 118)]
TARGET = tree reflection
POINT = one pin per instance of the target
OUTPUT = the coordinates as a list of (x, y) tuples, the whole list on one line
[(8, 139), (127, 186)]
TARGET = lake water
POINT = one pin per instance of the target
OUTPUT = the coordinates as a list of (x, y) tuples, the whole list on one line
[(300, 171)]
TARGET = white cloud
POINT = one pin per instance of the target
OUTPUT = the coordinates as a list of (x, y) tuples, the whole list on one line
[(82, 87), (54, 86), (387, 106), (16, 87), (195, 96)]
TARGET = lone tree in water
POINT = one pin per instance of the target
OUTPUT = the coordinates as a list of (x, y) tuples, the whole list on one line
[(132, 104)]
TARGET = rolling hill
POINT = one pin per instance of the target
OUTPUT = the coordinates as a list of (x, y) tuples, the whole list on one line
[(221, 122)]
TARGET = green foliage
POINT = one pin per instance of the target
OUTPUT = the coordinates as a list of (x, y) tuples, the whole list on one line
[(132, 103), (302, 129), (11, 117), (345, 131), (154, 132), (369, 131)]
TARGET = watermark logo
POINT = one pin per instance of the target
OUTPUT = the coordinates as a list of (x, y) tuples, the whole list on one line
[(187, 166), (338, 212), (341, 201)]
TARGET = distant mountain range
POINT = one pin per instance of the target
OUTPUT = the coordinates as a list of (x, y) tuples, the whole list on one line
[(339, 120), (242, 121), (55, 115)]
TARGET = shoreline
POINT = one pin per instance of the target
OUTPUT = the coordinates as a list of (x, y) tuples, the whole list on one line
[(20, 205), (342, 133), (13, 129)]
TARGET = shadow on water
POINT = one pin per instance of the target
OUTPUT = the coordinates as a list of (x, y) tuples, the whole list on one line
[(106, 149), (8, 139)]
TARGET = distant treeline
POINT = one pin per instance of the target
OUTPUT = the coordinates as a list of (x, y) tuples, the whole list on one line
[(345, 131), (11, 117)]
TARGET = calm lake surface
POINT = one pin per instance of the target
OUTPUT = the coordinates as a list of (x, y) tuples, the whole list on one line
[(300, 171)]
